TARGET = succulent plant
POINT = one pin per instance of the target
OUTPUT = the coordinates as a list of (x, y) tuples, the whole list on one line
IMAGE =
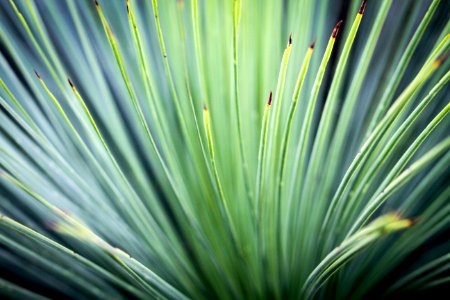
[(241, 149)]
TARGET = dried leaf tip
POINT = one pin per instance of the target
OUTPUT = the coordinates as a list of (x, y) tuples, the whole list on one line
[(311, 46), (336, 29), (128, 9), (290, 39), (269, 102), (413, 221), (37, 74), (362, 8), (438, 62), (96, 3), (204, 107), (71, 84)]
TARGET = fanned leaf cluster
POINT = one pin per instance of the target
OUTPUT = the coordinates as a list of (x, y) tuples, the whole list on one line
[(241, 149)]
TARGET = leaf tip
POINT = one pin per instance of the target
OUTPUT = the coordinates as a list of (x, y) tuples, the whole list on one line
[(311, 46), (336, 29), (290, 39), (269, 101), (362, 8), (37, 74), (71, 83), (440, 60), (413, 222)]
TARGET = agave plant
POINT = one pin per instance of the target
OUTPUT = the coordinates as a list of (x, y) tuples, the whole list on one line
[(143, 154)]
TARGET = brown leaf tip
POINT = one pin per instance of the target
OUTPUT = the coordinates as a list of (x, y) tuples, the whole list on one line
[(441, 60), (290, 39), (362, 8), (37, 74), (312, 44), (205, 108), (336, 29), (70, 82), (128, 9), (51, 225), (269, 102), (96, 3), (413, 221)]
